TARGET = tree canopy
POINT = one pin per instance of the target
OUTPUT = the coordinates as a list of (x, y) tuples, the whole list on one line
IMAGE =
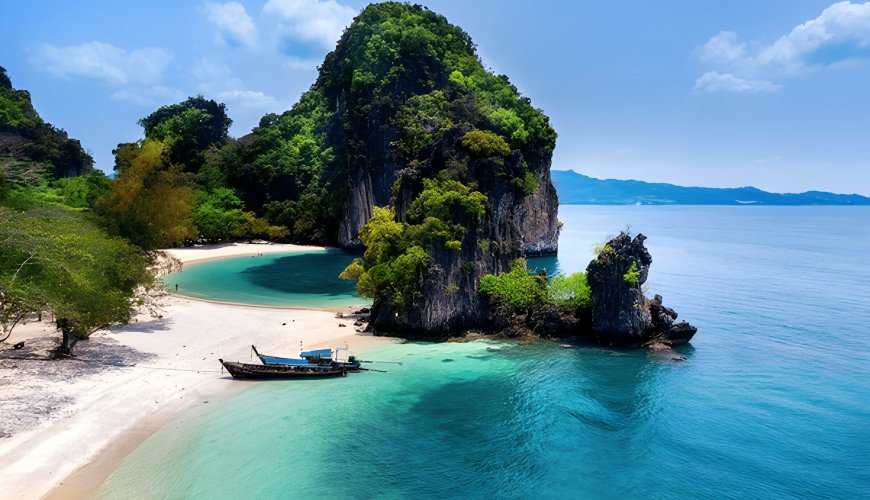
[(54, 259), (188, 129), (150, 203)]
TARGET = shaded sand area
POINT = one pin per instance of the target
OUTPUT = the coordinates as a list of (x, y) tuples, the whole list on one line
[(68, 423)]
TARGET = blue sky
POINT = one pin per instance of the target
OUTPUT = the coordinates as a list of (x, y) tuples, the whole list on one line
[(771, 94)]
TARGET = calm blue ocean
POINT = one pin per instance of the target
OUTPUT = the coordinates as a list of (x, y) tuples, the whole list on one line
[(773, 400)]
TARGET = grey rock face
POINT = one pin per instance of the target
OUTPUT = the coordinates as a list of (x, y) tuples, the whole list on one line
[(665, 329), (537, 216), (621, 314), (619, 309)]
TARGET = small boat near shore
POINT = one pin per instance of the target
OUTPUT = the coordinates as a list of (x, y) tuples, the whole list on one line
[(320, 357), (252, 371)]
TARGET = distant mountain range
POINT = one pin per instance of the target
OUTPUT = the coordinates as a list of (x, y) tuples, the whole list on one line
[(579, 189)]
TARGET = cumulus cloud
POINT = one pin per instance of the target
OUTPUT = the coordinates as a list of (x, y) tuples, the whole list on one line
[(841, 32), (712, 81), (311, 21), (234, 26), (842, 23), (103, 61), (722, 48)]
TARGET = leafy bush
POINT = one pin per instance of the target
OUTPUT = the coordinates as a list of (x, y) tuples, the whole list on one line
[(516, 287), (393, 266), (218, 214), (448, 200), (485, 144), (528, 183), (570, 291), (84, 191), (631, 276)]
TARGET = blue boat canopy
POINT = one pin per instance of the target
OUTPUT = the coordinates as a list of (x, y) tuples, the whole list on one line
[(275, 360), (319, 353)]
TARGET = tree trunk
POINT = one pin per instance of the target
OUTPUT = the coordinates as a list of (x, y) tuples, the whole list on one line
[(69, 339)]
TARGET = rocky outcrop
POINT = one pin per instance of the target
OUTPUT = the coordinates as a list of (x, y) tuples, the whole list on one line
[(665, 329), (621, 314)]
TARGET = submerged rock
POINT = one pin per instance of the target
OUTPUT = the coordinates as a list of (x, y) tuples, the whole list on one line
[(621, 314)]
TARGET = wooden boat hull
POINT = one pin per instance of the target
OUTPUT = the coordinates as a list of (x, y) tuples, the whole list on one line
[(263, 372)]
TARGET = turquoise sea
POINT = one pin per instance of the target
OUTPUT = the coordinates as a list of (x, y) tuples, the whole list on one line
[(773, 400)]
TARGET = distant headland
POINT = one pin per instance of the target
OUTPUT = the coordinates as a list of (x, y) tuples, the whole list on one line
[(579, 189)]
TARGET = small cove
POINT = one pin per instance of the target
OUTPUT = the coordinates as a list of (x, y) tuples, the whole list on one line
[(302, 279)]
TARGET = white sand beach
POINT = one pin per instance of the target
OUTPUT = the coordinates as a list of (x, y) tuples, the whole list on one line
[(65, 425)]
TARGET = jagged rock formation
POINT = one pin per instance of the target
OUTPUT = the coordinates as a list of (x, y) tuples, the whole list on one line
[(621, 314), (31, 149)]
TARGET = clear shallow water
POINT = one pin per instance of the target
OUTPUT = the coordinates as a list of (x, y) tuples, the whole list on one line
[(773, 400), (307, 278)]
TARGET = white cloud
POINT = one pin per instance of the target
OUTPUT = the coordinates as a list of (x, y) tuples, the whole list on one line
[(843, 29), (311, 21), (722, 48), (235, 27), (103, 61), (712, 81), (246, 99), (217, 81), (841, 23), (148, 96)]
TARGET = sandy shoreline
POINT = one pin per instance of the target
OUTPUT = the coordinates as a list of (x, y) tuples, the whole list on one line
[(91, 413)]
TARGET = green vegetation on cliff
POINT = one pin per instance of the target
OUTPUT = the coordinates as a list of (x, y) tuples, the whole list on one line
[(32, 150), (522, 290), (397, 253)]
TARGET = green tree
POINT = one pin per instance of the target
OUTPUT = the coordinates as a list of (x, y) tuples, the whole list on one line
[(393, 266), (150, 203), (85, 190), (218, 214), (56, 260), (188, 129)]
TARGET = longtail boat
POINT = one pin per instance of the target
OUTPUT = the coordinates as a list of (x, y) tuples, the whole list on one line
[(320, 357), (247, 370)]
